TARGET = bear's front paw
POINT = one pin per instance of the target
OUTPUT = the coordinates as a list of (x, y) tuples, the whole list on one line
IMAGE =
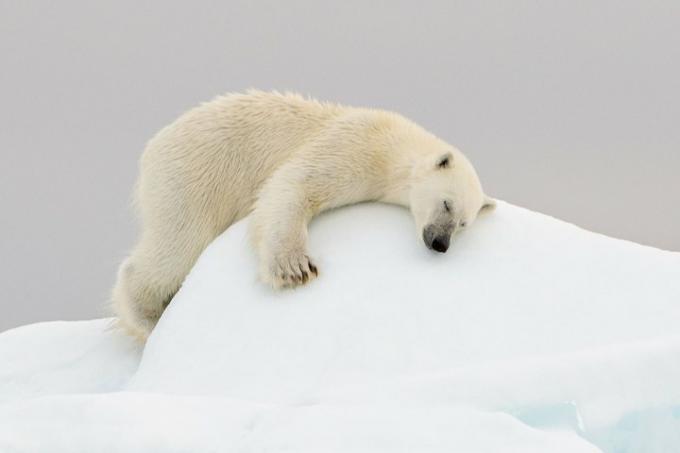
[(290, 270)]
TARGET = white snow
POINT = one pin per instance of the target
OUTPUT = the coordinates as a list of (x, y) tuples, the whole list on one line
[(529, 335), (64, 357)]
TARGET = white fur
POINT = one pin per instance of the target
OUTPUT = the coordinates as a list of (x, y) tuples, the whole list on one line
[(284, 159)]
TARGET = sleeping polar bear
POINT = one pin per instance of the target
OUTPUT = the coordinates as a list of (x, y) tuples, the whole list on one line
[(281, 159)]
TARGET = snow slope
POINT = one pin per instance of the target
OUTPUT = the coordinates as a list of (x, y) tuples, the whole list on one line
[(529, 335)]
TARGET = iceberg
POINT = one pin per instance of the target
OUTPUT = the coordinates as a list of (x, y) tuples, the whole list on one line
[(529, 335)]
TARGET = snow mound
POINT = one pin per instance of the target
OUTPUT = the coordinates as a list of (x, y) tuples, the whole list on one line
[(530, 334)]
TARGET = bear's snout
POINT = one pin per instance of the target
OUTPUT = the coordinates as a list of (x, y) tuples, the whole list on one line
[(436, 239)]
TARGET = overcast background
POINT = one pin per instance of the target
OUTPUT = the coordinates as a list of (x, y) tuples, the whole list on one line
[(570, 108)]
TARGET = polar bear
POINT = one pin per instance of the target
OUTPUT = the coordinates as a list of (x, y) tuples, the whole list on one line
[(281, 159)]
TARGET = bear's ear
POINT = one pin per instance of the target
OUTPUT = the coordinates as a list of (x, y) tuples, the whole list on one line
[(488, 204), (444, 161)]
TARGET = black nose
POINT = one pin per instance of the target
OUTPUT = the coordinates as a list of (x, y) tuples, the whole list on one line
[(440, 244), (436, 238)]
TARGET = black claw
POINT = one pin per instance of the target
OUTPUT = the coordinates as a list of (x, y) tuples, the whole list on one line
[(303, 274)]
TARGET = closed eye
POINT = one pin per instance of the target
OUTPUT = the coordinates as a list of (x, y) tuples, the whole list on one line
[(447, 206)]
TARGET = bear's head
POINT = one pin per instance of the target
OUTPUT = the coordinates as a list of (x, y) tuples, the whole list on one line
[(445, 197)]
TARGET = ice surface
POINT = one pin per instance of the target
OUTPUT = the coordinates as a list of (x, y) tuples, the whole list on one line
[(530, 334), (64, 357)]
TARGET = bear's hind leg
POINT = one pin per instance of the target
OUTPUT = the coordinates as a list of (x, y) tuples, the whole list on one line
[(138, 299), (149, 278)]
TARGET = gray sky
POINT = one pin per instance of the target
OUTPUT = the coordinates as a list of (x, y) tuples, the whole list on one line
[(568, 108)]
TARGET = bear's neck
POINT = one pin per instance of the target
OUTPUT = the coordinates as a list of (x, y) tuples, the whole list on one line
[(398, 179)]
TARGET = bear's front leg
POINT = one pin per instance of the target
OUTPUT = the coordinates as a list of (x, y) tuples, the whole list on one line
[(279, 233), (282, 252)]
